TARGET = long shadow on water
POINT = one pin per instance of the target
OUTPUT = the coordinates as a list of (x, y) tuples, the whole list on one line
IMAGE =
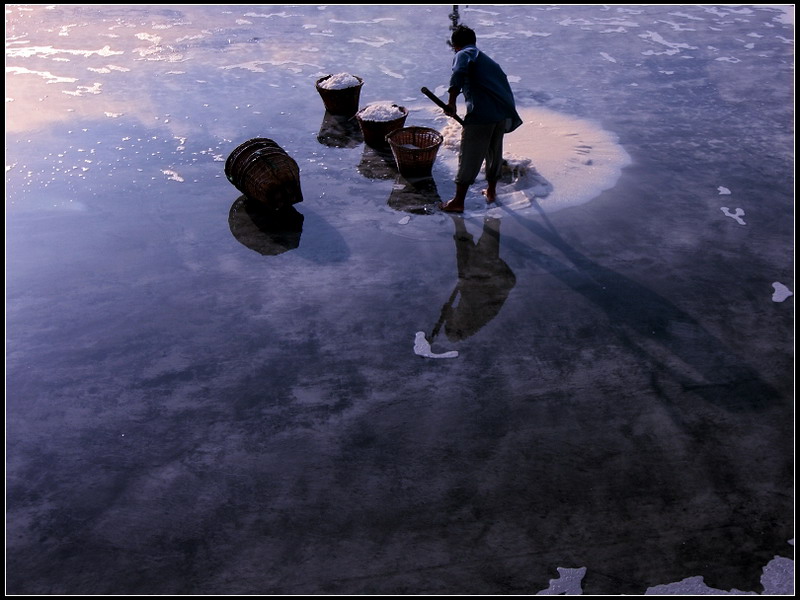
[(729, 512), (634, 311)]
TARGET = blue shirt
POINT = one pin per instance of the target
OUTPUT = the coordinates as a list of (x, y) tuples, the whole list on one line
[(485, 86)]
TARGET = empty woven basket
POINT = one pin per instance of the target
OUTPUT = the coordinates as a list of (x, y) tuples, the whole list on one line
[(415, 149)]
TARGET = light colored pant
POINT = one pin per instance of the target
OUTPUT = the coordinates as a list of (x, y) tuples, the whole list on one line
[(479, 142)]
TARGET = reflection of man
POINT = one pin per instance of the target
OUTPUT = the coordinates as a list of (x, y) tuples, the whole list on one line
[(484, 280)]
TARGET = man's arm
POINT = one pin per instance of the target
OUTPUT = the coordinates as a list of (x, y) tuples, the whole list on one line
[(451, 102)]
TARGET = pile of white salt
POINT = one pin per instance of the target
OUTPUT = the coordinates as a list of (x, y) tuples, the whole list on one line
[(558, 158), (381, 111), (340, 81)]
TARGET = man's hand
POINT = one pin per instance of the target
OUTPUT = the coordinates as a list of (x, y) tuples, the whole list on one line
[(450, 110)]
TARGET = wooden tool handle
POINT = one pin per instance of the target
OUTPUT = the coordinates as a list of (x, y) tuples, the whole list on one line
[(440, 104)]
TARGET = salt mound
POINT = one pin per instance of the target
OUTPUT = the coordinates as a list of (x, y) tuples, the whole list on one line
[(560, 159), (340, 81), (381, 111)]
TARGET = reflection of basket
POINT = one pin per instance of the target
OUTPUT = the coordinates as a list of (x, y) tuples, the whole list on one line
[(375, 132), (343, 101), (262, 171), (268, 232), (417, 197), (377, 164), (415, 149)]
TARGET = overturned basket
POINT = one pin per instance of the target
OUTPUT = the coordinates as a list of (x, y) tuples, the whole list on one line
[(415, 149), (264, 172)]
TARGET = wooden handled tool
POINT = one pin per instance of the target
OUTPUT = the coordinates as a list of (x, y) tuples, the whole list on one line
[(440, 104)]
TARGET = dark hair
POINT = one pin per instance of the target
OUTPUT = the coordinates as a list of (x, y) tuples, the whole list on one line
[(462, 36)]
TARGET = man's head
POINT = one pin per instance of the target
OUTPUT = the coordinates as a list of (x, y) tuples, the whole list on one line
[(462, 36)]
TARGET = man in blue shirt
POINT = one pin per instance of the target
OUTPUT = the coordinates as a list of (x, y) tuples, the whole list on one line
[(491, 113)]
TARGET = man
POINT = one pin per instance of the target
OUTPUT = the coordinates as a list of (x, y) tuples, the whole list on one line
[(491, 113)]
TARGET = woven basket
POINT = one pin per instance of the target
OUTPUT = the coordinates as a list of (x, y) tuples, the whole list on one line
[(342, 102), (415, 149), (375, 132), (263, 172), (243, 152)]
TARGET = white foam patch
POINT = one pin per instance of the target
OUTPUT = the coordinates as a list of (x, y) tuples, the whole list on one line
[(84, 89), (385, 70), (561, 160), (172, 175), (375, 42), (723, 191), (568, 583), (46, 75), (691, 586), (736, 216), (49, 51), (781, 292), (673, 47), (423, 348)]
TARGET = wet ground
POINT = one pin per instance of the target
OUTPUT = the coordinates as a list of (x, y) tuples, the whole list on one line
[(202, 401)]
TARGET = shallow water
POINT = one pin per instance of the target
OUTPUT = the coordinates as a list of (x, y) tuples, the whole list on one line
[(201, 401)]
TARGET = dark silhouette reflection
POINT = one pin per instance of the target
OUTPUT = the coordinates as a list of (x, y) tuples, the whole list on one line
[(377, 164), (268, 232), (339, 131), (484, 281), (417, 196)]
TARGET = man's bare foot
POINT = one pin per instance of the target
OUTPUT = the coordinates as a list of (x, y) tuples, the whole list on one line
[(491, 196), (452, 206)]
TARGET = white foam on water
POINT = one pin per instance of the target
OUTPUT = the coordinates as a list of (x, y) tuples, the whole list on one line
[(84, 89), (787, 18), (49, 51), (370, 22), (423, 348), (561, 160), (46, 75), (154, 39), (676, 26), (172, 175), (736, 216), (673, 47), (567, 584), (375, 42), (723, 191), (282, 15), (781, 292), (686, 16)]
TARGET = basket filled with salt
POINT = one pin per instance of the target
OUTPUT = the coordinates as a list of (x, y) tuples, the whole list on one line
[(379, 119), (340, 93), (415, 149)]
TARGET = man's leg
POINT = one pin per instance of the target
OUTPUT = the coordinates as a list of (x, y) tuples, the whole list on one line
[(494, 161), (475, 141)]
